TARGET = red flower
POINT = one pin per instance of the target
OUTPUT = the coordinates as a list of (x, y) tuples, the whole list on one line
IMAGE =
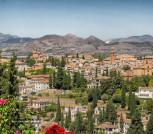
[(3, 101), (55, 129)]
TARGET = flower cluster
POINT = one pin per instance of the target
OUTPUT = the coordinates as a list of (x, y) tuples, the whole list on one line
[(17, 132), (55, 129), (3, 101)]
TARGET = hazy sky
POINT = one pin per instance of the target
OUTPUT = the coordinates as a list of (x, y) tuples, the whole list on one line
[(102, 18)]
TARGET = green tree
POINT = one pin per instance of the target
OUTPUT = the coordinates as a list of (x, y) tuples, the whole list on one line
[(96, 74), (136, 126), (83, 57), (68, 119), (44, 68), (59, 78), (13, 89), (76, 126), (133, 104), (100, 117), (30, 62), (58, 112), (90, 125), (123, 99), (149, 105), (62, 121), (50, 81), (150, 124), (94, 102), (77, 55), (54, 79), (66, 82), (121, 123), (129, 99), (63, 62), (150, 83), (111, 114)]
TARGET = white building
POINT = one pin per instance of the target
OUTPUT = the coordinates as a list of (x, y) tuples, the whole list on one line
[(145, 92)]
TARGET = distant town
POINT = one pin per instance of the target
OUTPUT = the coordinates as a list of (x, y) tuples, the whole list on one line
[(85, 93)]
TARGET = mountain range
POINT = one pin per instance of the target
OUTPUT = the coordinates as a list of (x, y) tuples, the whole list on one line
[(70, 44)]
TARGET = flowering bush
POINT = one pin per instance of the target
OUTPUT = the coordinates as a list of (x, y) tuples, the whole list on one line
[(13, 118), (55, 129)]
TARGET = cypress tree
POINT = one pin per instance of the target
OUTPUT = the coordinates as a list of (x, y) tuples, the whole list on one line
[(12, 77), (129, 99), (62, 121), (96, 74), (68, 119), (121, 124), (94, 102), (133, 104), (100, 117), (50, 81), (54, 79), (66, 82), (63, 62), (150, 124), (136, 126), (107, 72), (77, 55), (59, 78), (90, 125), (104, 115), (111, 114), (24, 72), (44, 68), (58, 112), (123, 101), (78, 123), (83, 57)]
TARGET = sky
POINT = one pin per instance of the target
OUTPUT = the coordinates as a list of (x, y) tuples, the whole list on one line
[(104, 19)]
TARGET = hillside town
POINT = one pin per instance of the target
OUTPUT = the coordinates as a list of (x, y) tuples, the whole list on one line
[(105, 92)]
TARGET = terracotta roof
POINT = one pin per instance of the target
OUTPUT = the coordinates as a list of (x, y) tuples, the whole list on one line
[(17, 62), (101, 105), (107, 125), (146, 88)]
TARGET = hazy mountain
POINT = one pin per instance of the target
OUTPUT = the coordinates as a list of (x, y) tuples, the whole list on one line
[(56, 44), (70, 44), (143, 38), (7, 40)]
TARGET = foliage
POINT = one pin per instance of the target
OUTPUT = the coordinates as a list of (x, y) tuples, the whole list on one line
[(150, 124), (121, 123), (50, 81), (51, 108), (111, 114), (44, 68), (123, 99), (76, 126), (14, 118), (136, 126), (79, 80), (149, 105), (68, 119), (126, 67), (30, 62), (58, 112), (116, 98), (90, 125), (100, 117)]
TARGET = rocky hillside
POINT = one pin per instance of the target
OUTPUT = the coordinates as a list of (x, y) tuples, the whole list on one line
[(56, 44), (70, 44), (143, 38), (7, 40)]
